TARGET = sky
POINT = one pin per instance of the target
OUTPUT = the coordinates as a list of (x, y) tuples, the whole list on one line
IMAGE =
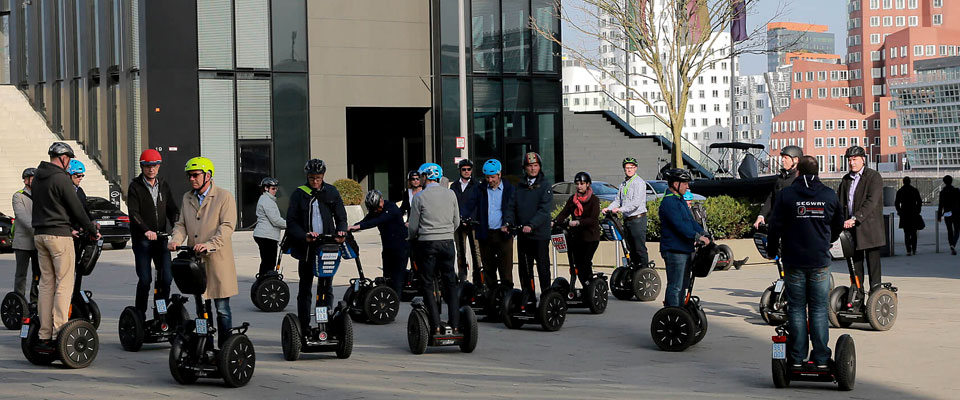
[(832, 13)]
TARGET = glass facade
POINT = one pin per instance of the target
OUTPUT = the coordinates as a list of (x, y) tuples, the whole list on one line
[(928, 111), (513, 84)]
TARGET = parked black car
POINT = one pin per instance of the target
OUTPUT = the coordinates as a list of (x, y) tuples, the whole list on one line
[(114, 224), (6, 228)]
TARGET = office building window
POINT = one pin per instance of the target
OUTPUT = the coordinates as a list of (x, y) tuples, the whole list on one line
[(289, 24), (215, 34), (486, 35)]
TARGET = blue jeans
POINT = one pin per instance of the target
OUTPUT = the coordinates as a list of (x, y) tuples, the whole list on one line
[(224, 319), (677, 277), (144, 252), (808, 288)]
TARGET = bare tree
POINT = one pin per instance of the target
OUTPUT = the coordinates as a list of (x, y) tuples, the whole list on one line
[(676, 39)]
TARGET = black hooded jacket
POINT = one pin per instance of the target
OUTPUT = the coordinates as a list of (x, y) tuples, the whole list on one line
[(332, 213), (805, 220), (56, 205)]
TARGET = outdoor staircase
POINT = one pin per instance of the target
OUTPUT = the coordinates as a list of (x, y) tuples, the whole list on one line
[(24, 140)]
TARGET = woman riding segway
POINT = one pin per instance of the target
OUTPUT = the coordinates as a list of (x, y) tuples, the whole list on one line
[(583, 237)]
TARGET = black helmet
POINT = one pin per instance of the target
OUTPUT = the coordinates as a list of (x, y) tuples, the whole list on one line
[(582, 177), (464, 163), (792, 151), (413, 174), (630, 160), (28, 173), (268, 181), (855, 151), (315, 167), (58, 149), (677, 175), (372, 200)]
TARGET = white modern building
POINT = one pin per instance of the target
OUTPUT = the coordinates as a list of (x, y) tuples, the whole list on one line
[(752, 109)]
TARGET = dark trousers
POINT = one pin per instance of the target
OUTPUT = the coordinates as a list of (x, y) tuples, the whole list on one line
[(910, 240), (437, 258), (873, 263), (305, 301), (27, 258), (394, 266), (636, 238), (496, 251), (464, 240), (581, 255), (953, 229), (528, 252), (155, 251), (268, 254)]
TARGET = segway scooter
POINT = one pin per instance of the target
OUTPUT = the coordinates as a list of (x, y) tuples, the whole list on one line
[(77, 342), (168, 316), (369, 300), (193, 354), (14, 307), (334, 329), (485, 298), (269, 292), (594, 295), (420, 335), (677, 328), (843, 370), (520, 306), (773, 301), (847, 305), (630, 279)]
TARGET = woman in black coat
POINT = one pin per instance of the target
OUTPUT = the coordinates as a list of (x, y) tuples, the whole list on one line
[(908, 205), (583, 209)]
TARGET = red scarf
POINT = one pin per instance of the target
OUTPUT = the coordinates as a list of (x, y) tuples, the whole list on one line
[(579, 199)]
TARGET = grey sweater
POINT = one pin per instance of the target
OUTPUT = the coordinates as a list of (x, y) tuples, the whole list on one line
[(434, 214), (269, 220)]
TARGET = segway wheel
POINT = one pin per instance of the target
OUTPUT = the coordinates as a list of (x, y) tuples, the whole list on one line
[(354, 307), (78, 344), (561, 285), (552, 311), (726, 255), (836, 304), (130, 326), (766, 308), (468, 325), (467, 292), (673, 329), (29, 345), (12, 310), (381, 305), (237, 360), (620, 286), (646, 284), (290, 338), (496, 300), (273, 295), (701, 321), (511, 306), (882, 309), (93, 315), (418, 332), (596, 294), (253, 292), (846, 362), (177, 315), (781, 376), (179, 357), (345, 341)]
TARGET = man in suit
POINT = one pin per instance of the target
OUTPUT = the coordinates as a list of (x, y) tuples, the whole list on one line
[(908, 203), (492, 206), (861, 198), (463, 188)]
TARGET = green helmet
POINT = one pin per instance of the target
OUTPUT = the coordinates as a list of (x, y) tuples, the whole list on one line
[(199, 164), (630, 160)]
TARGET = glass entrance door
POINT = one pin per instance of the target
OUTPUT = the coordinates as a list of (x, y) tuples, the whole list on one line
[(256, 163)]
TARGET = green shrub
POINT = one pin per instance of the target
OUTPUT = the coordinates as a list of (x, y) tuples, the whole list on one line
[(350, 191), (727, 217)]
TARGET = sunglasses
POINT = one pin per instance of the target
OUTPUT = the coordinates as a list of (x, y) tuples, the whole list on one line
[(195, 174), (466, 169), (414, 179), (79, 175)]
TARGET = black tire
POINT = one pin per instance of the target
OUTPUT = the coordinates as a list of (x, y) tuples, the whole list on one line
[(673, 329), (882, 309), (130, 327), (180, 354), (78, 344), (253, 291), (552, 311), (29, 343), (494, 303), (701, 320), (290, 338), (596, 295), (645, 284), (237, 360), (781, 376), (12, 310), (561, 285), (766, 307), (273, 295), (835, 304), (345, 335), (620, 285), (418, 332), (846, 362), (118, 245), (468, 326), (94, 316), (381, 305), (354, 305), (510, 306)]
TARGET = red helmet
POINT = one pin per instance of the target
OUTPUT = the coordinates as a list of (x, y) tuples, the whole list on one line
[(150, 157)]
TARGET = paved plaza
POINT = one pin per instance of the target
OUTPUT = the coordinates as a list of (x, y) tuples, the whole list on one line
[(593, 356)]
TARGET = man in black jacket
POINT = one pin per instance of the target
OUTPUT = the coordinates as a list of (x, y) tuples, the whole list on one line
[(395, 249), (806, 219), (315, 209), (789, 157), (861, 196), (908, 203), (153, 210), (463, 188), (532, 210), (949, 211), (56, 209), (491, 205)]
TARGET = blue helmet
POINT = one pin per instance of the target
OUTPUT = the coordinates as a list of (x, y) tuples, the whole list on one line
[(688, 196), (430, 171), (76, 167), (492, 167)]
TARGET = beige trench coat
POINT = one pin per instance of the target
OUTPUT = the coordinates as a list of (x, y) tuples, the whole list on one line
[(211, 225)]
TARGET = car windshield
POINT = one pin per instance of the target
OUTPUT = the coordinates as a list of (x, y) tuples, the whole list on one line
[(659, 187), (602, 188), (97, 203)]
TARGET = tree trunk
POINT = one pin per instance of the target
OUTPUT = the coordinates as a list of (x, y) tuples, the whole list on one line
[(677, 155)]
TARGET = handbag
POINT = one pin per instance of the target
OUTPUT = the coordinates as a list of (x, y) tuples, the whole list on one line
[(920, 223)]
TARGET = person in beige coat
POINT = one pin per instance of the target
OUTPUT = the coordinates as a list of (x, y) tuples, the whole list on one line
[(207, 220)]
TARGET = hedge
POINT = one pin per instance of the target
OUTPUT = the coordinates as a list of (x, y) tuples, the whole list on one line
[(350, 191), (727, 217)]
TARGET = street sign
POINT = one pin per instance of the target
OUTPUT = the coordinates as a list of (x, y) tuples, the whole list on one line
[(461, 142)]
